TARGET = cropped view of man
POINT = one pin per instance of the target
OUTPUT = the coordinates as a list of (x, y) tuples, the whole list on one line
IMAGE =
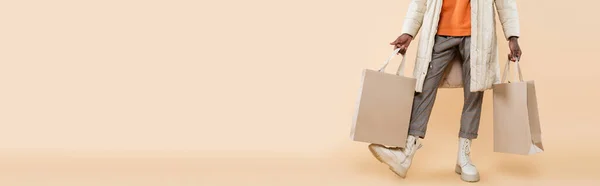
[(458, 43)]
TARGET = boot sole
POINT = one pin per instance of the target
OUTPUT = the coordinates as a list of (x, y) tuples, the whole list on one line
[(400, 171), (466, 177)]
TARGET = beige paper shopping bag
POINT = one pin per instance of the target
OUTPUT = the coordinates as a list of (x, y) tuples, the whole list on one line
[(384, 105), (516, 121)]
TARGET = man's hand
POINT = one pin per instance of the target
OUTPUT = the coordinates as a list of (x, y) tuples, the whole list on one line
[(515, 50), (402, 42)]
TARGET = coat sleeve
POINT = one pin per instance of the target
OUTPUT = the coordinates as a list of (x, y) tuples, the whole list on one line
[(509, 17), (414, 17)]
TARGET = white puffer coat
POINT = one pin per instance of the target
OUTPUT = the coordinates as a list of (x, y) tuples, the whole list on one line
[(485, 71)]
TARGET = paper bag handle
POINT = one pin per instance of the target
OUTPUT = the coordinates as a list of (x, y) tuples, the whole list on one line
[(507, 70), (400, 71)]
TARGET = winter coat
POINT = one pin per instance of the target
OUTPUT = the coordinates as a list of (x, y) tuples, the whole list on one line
[(424, 15)]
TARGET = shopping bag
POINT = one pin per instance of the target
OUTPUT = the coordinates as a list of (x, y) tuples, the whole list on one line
[(517, 127), (384, 106)]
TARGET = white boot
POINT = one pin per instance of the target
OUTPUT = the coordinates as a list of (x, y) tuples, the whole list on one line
[(399, 160), (468, 172)]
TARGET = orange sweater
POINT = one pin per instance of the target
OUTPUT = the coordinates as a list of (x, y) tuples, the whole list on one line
[(455, 18)]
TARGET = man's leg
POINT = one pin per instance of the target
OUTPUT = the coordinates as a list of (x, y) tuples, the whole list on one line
[(444, 50), (471, 113), (469, 123), (399, 160)]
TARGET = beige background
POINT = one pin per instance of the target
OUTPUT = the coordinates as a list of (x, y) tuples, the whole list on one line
[(259, 92)]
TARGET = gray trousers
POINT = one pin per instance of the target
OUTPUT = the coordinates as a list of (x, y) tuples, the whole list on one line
[(444, 50)]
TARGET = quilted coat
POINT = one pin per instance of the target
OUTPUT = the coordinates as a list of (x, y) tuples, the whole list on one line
[(424, 15)]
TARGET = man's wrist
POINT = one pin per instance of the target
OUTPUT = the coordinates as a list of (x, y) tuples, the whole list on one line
[(513, 38)]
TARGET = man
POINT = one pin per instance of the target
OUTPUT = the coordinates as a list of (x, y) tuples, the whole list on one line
[(452, 29)]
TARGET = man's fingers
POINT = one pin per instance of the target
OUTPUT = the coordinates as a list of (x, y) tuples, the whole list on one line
[(402, 49), (512, 55), (516, 55)]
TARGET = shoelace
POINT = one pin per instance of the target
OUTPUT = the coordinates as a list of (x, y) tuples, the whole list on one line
[(466, 148), (409, 146)]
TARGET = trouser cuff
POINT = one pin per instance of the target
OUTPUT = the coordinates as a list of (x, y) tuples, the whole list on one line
[(417, 133), (467, 135)]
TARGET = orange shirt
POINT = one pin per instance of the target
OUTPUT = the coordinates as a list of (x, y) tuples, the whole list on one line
[(455, 18)]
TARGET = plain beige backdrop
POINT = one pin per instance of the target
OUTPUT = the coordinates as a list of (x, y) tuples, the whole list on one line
[(261, 92)]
